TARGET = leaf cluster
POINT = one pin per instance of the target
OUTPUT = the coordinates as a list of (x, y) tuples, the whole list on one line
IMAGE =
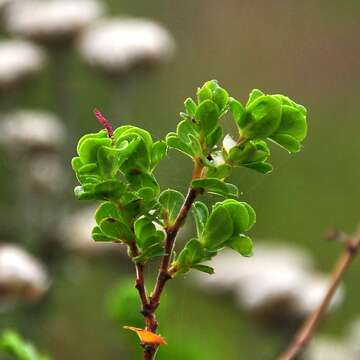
[(119, 172)]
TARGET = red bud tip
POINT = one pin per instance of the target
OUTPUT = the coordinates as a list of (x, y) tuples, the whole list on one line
[(104, 122)]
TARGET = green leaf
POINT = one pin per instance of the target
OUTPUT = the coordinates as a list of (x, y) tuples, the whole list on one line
[(221, 98), (190, 107), (106, 210), (263, 116), (242, 244), (218, 228), (139, 181), (158, 152), (204, 268), (293, 122), (254, 94), (203, 94), (201, 213), (146, 233), (216, 186), (99, 236), (116, 230), (214, 137), (109, 189), (262, 167), (76, 163), (287, 142), (171, 202), (89, 148), (208, 115), (153, 251), (107, 161), (191, 254), (102, 134), (173, 141), (237, 110), (242, 214)]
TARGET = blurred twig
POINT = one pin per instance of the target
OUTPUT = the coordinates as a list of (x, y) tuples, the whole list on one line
[(307, 329)]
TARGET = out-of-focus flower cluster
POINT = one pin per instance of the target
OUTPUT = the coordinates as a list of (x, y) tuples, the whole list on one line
[(21, 275), (277, 283), (329, 348)]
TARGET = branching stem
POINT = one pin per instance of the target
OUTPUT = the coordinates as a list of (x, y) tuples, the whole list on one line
[(150, 305), (306, 331)]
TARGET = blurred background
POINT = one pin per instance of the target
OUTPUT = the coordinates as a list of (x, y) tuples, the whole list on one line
[(74, 296)]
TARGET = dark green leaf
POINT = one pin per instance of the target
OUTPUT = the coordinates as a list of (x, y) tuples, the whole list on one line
[(218, 228), (237, 110), (216, 186), (171, 201), (201, 214), (106, 210), (116, 230)]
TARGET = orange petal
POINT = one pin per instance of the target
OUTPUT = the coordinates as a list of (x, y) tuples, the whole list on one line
[(147, 337)]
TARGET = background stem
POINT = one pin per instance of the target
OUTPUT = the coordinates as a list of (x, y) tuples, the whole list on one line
[(306, 331)]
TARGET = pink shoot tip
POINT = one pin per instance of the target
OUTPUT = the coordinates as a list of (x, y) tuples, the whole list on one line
[(104, 122)]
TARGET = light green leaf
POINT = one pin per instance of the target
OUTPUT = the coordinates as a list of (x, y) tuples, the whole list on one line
[(242, 244), (287, 142), (190, 107)]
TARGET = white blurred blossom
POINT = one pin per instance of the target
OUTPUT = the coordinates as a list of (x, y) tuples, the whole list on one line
[(19, 60), (326, 348), (31, 130), (51, 20), (117, 45), (21, 275), (45, 173), (76, 231), (275, 278)]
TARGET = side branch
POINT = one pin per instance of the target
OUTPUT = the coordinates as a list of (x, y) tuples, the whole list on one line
[(306, 331), (172, 231)]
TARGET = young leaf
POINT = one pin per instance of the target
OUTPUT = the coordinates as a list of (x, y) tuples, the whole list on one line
[(171, 202), (190, 107), (221, 97), (237, 110), (203, 94), (263, 116), (208, 115), (158, 152)]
